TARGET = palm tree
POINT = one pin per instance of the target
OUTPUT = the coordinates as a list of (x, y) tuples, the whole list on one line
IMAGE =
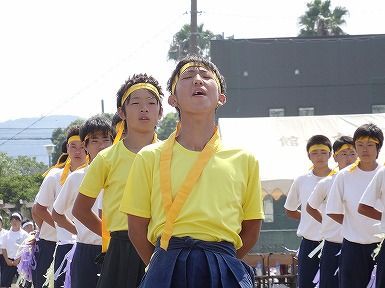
[(180, 44), (319, 20)]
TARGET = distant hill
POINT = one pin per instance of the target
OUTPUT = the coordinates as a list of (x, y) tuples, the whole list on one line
[(31, 141)]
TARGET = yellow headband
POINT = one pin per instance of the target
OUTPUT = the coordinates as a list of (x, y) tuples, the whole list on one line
[(318, 147), (343, 147), (188, 65), (73, 138), (138, 86), (368, 139)]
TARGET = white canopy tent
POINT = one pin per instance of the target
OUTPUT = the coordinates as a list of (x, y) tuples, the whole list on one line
[(279, 143)]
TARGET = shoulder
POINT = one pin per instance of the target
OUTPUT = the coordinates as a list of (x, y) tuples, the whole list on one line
[(236, 152), (151, 150)]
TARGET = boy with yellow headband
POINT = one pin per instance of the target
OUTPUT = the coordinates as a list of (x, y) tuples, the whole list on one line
[(139, 105), (344, 155), (193, 205), (96, 134), (359, 232), (48, 235), (319, 151)]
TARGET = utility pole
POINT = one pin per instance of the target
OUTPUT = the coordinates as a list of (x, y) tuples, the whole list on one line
[(193, 47), (102, 102)]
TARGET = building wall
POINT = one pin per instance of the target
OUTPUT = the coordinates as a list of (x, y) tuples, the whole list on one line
[(344, 75)]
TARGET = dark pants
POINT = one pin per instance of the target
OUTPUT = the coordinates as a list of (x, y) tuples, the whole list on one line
[(307, 267), (44, 256), (380, 275), (329, 264), (84, 270), (7, 274), (61, 251), (122, 266), (356, 264)]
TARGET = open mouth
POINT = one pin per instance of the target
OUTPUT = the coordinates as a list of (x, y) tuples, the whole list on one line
[(144, 118)]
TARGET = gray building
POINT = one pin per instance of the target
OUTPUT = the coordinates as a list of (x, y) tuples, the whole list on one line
[(302, 76)]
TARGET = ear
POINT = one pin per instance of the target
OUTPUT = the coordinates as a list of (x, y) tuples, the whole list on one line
[(222, 99), (121, 113), (172, 101)]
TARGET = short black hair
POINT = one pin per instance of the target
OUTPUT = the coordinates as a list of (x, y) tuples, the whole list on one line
[(201, 60), (139, 78), (97, 123), (72, 131), (369, 130), (318, 139), (342, 141)]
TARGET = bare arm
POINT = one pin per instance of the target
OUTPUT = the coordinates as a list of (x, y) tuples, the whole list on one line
[(249, 235), (339, 218), (64, 222), (82, 211), (369, 211), (43, 213), (138, 235), (5, 255), (314, 213), (35, 217), (293, 214)]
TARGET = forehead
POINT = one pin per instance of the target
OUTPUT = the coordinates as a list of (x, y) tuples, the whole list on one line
[(99, 133), (142, 94), (197, 69)]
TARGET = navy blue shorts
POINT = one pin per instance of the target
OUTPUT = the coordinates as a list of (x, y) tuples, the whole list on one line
[(61, 251), (307, 267), (356, 264), (84, 270), (44, 256), (7, 274), (194, 263), (329, 264), (122, 266)]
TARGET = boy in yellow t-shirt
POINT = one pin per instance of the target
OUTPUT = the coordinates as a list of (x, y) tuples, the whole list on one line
[(139, 105), (194, 206)]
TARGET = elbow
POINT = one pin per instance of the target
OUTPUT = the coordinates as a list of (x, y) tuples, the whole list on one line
[(55, 216)]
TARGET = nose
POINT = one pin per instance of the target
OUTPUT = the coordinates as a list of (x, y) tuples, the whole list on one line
[(198, 79), (144, 108)]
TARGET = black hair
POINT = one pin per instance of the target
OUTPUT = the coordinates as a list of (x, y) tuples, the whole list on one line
[(342, 141), (98, 123), (72, 131), (318, 139), (369, 130), (115, 120), (201, 60), (138, 78)]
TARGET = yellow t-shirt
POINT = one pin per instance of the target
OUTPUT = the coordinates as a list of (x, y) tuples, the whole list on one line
[(227, 192), (109, 171)]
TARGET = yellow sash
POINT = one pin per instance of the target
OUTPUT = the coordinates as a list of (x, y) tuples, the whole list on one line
[(105, 233), (172, 208)]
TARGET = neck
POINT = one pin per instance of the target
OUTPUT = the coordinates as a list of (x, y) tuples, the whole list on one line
[(134, 140), (321, 171), (15, 229), (367, 166), (75, 165), (195, 134)]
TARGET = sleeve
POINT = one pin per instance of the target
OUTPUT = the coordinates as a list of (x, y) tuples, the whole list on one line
[(46, 195), (93, 181), (136, 199), (373, 192), (335, 203), (253, 202), (293, 201), (64, 201), (3, 241), (318, 196), (99, 201)]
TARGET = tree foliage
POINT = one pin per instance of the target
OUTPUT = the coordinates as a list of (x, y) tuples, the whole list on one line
[(167, 125), (319, 20), (179, 47)]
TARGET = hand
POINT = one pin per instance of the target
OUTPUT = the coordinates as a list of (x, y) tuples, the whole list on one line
[(9, 262)]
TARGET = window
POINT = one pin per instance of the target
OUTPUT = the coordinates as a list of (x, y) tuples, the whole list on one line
[(306, 111), (277, 112), (268, 206), (378, 108)]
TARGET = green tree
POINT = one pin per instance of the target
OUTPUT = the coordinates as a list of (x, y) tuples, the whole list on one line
[(167, 125), (319, 20), (180, 44)]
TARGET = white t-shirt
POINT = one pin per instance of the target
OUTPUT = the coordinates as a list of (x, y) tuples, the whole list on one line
[(331, 230), (298, 195), (45, 197), (65, 201), (2, 233), (376, 192), (344, 197), (12, 241)]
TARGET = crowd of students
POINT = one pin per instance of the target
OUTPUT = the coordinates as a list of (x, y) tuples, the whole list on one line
[(123, 209)]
